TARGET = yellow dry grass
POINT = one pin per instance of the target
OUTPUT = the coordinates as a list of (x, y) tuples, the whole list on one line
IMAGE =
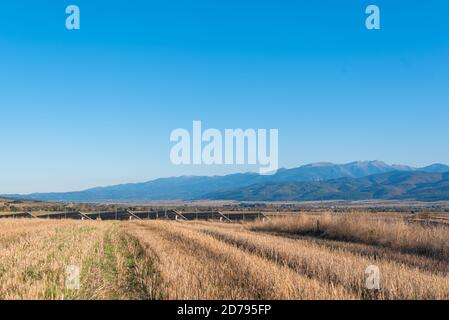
[(339, 266), (34, 255), (428, 240), (301, 257), (193, 265)]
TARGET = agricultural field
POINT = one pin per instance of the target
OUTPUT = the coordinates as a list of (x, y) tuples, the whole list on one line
[(302, 256)]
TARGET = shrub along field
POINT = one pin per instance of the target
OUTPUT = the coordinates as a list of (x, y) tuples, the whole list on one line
[(297, 257)]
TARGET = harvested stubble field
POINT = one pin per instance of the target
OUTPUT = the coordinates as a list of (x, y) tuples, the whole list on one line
[(298, 257)]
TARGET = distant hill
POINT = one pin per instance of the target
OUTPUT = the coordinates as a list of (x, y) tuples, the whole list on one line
[(177, 188), (327, 171), (396, 185), (437, 167), (199, 187)]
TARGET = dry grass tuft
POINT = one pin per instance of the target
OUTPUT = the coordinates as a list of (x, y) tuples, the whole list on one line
[(197, 266), (34, 255), (298, 257), (430, 241)]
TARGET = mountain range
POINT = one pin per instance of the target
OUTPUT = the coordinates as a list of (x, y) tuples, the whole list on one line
[(396, 185), (318, 181)]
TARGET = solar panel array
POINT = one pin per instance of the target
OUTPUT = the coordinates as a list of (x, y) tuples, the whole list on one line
[(142, 215)]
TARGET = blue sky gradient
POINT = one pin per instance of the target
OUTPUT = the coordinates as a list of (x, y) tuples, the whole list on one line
[(96, 106)]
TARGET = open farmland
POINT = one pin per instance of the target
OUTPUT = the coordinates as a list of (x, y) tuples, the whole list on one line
[(306, 256)]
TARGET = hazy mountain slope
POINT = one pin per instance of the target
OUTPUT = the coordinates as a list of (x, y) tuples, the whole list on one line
[(327, 171), (437, 167), (419, 185), (195, 187), (186, 187)]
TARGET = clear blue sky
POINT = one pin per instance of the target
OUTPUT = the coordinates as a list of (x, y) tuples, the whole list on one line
[(96, 106)]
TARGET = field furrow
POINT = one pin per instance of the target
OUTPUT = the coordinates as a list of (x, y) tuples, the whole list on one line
[(337, 266), (297, 257), (196, 266)]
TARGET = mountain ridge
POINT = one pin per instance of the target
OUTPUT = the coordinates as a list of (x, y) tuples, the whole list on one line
[(196, 187), (395, 185)]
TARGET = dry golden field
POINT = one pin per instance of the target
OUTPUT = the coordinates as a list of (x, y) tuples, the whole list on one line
[(297, 257)]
